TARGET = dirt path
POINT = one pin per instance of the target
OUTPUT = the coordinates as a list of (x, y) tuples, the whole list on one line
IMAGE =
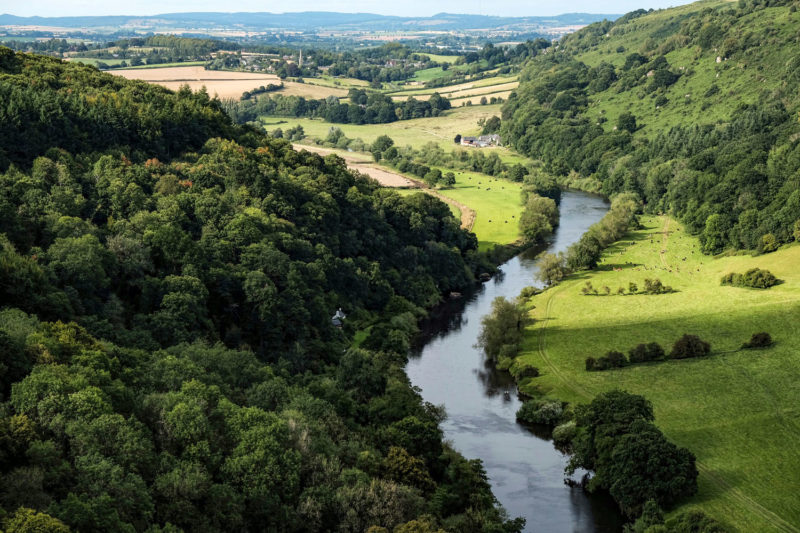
[(387, 178), (664, 239)]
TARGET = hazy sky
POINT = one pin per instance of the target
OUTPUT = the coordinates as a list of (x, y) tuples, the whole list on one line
[(55, 8)]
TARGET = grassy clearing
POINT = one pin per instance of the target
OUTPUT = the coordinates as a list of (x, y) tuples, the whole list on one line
[(497, 204), (736, 410), (442, 58), (415, 132), (93, 61)]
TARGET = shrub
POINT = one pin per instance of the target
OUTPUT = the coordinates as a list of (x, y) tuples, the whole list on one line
[(591, 364), (528, 292), (547, 412), (754, 278), (689, 346), (564, 433), (654, 286), (528, 372), (616, 359), (646, 352), (759, 340)]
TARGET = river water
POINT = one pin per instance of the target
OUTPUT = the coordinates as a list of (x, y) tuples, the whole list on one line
[(525, 470)]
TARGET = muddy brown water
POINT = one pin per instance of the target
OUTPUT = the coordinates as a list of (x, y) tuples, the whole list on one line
[(525, 469)]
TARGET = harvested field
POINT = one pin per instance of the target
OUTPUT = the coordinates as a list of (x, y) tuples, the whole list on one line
[(364, 165), (223, 83)]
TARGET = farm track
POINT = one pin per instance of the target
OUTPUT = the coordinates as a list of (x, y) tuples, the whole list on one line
[(745, 501)]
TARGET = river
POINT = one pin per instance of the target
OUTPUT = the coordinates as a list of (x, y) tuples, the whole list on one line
[(525, 470)]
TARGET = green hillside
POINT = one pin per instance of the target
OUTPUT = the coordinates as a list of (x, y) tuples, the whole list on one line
[(735, 409), (692, 108)]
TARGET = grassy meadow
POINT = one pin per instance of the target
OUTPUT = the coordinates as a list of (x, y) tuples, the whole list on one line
[(496, 202), (415, 132), (735, 409)]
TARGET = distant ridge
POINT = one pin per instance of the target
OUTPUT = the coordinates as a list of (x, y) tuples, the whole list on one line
[(309, 20)]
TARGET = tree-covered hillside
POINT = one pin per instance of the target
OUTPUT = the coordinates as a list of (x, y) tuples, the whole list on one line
[(167, 355), (694, 108)]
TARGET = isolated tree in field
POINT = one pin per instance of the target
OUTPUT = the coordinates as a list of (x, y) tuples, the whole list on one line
[(449, 179), (457, 138), (503, 327)]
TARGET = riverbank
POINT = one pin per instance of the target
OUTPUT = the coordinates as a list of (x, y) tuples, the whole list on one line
[(734, 409), (526, 472)]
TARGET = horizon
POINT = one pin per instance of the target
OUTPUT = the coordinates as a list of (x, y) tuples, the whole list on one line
[(412, 8)]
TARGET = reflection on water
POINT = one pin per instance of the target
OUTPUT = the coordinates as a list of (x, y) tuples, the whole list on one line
[(525, 469)]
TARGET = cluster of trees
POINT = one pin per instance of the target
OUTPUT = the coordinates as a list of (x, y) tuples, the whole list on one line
[(615, 438), (157, 49), (688, 346), (733, 181), (651, 286), (269, 88), (364, 108), (586, 253), (46, 47), (538, 219), (755, 278), (169, 360), (382, 64)]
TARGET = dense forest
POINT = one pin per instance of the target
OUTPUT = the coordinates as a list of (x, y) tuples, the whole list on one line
[(694, 110), (169, 359)]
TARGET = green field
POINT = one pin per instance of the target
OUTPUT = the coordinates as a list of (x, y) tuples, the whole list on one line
[(497, 204), (415, 133), (442, 58), (735, 409)]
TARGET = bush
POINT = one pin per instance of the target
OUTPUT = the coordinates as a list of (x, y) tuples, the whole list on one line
[(646, 352), (527, 372), (616, 359), (755, 278), (564, 433), (759, 340), (612, 359), (654, 286), (689, 346), (547, 412)]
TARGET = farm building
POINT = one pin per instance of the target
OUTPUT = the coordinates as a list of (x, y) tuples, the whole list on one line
[(481, 141)]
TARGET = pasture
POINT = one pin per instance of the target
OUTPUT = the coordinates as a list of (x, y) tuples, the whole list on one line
[(736, 410), (415, 132)]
